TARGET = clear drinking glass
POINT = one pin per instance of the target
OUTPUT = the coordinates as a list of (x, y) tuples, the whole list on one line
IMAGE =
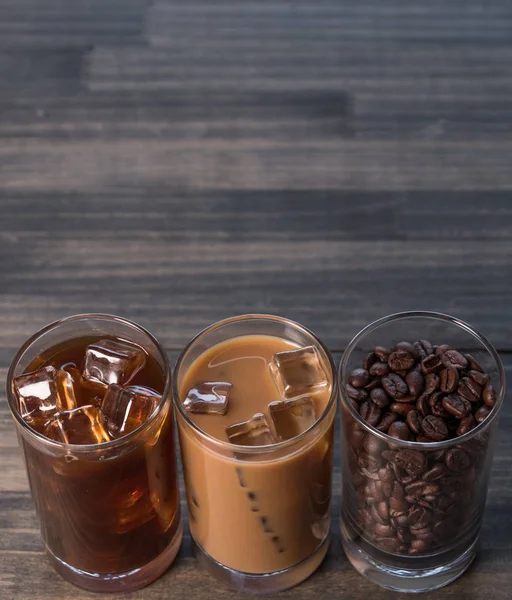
[(376, 523), (109, 513), (292, 478)]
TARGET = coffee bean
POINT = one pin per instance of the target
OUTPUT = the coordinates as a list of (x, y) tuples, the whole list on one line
[(440, 350), (475, 387), (409, 348), (395, 386), (379, 369), (412, 461), (379, 397), (364, 409), (423, 405), (424, 439), (369, 360), (389, 543), (437, 471), (434, 428), (479, 378), (415, 382), (382, 509), (449, 380), (374, 414), (457, 406), (386, 421), (482, 413), (489, 395), (415, 488), (466, 391), (431, 383), (467, 424), (376, 516), (473, 364), (401, 408), (431, 364), (400, 361), (413, 420), (373, 385), (359, 378), (382, 353), (457, 460), (424, 348), (356, 394), (400, 431), (452, 358), (436, 406)]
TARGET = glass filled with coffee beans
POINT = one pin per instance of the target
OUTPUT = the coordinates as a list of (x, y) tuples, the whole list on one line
[(420, 396)]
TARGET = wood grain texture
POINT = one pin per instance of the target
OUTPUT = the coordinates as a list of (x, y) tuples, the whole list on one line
[(181, 161)]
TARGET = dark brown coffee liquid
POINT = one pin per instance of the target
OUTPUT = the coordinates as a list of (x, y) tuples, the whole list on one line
[(107, 511)]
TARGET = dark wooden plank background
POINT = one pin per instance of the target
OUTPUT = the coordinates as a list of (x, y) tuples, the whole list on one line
[(181, 161)]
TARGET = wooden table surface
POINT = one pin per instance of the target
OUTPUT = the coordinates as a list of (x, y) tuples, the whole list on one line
[(180, 161)]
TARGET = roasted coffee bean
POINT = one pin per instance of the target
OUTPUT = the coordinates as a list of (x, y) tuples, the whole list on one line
[(457, 460), (364, 409), (376, 516), (475, 387), (374, 414), (434, 428), (415, 382), (359, 378), (410, 348), (382, 509), (355, 394), (423, 405), (431, 364), (389, 455), (479, 378), (424, 348), (440, 350), (400, 360), (369, 360), (404, 535), (395, 386), (407, 399), (379, 369), (466, 391), (389, 543), (473, 364), (482, 413), (415, 488), (386, 421), (413, 420), (373, 445), (489, 396), (412, 461), (382, 353), (424, 439), (436, 406), (380, 398), (374, 384), (384, 530), (457, 406), (437, 471), (452, 358), (449, 380), (466, 424), (431, 383), (401, 408), (400, 431)]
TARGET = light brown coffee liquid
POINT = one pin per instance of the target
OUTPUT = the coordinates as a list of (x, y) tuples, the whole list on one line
[(256, 514)]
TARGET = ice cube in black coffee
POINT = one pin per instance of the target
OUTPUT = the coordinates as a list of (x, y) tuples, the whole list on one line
[(292, 417), (82, 425), (208, 397), (108, 361), (43, 393), (254, 432), (298, 372), (126, 408)]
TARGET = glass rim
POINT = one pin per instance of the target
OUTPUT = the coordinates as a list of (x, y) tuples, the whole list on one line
[(239, 449), (85, 448), (480, 428)]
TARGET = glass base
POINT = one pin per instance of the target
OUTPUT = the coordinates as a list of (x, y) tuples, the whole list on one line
[(402, 578), (262, 583), (119, 582)]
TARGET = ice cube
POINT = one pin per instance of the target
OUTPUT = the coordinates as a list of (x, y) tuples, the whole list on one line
[(298, 372), (43, 393), (254, 432), (209, 397), (292, 417), (126, 408), (108, 361), (78, 426)]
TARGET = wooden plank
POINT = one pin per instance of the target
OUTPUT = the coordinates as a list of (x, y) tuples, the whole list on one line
[(22, 560)]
